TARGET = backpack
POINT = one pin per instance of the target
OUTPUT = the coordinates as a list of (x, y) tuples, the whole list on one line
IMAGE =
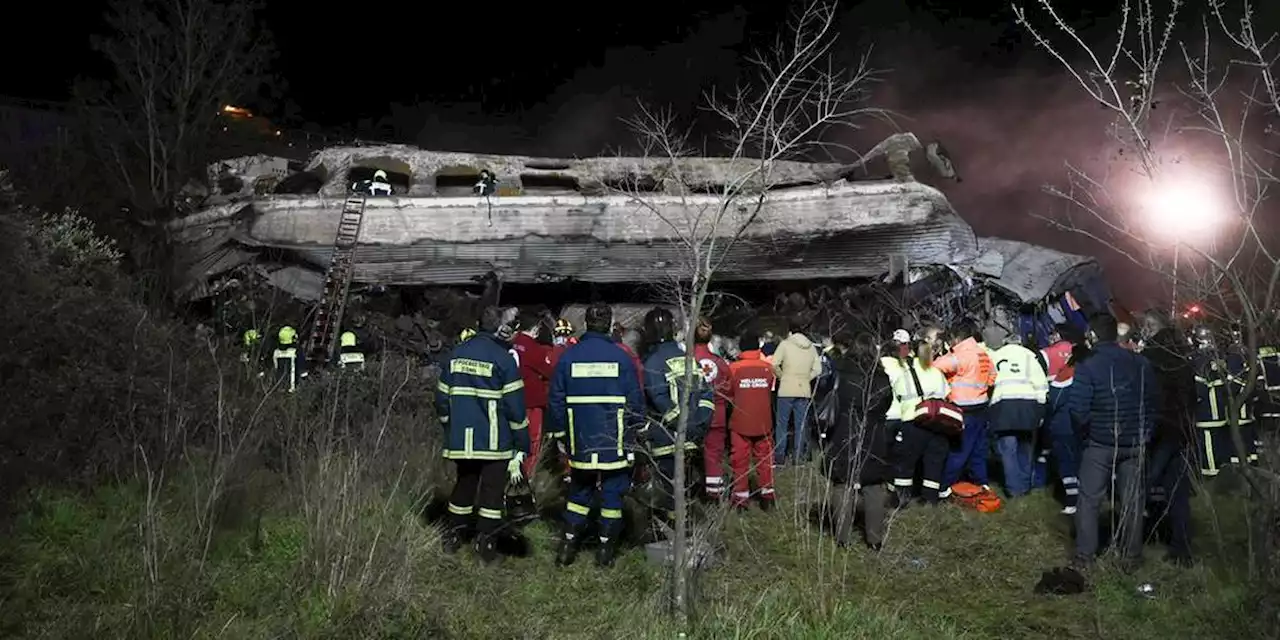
[(973, 496)]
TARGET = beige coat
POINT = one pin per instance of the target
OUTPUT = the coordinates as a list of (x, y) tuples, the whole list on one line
[(796, 363)]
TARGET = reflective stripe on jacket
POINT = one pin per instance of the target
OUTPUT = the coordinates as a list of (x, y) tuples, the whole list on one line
[(969, 372), (480, 402), (1018, 375), (893, 368), (594, 404), (932, 383), (664, 376)]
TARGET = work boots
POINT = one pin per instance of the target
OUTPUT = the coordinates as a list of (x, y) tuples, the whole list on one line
[(568, 551), (487, 549), (606, 552), (452, 540)]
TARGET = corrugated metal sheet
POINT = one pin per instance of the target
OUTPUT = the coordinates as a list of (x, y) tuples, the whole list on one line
[(1031, 271)]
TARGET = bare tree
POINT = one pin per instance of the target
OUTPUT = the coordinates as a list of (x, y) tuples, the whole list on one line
[(797, 96), (175, 65), (1194, 122)]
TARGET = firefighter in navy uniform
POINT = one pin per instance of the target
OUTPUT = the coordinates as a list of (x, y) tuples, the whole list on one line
[(480, 403), (664, 373), (1218, 378), (1269, 381), (595, 409), (1237, 375)]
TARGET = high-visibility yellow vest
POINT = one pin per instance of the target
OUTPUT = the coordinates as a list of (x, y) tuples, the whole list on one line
[(1019, 375), (932, 383)]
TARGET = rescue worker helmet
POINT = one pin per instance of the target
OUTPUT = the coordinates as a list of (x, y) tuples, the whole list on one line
[(563, 327), (380, 175), (659, 325), (1202, 336), (286, 335), (251, 337), (347, 339), (466, 334)]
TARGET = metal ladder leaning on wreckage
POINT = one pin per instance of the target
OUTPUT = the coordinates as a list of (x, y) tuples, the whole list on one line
[(333, 300)]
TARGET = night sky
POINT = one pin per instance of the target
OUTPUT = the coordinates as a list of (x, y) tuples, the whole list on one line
[(555, 78)]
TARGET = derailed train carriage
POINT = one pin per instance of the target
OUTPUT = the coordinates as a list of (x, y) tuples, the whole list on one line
[(840, 237), (562, 224)]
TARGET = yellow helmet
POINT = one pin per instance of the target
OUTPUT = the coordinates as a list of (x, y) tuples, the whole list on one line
[(347, 339), (251, 337), (287, 335), (466, 334), (563, 327)]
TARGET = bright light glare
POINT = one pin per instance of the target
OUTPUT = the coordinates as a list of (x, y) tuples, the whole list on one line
[(1186, 210)]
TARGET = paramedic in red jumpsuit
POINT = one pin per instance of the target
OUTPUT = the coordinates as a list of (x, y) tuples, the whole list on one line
[(534, 359), (716, 373)]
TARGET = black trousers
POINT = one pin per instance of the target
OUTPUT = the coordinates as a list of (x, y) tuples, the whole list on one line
[(1169, 469), (665, 467), (479, 495), (926, 448)]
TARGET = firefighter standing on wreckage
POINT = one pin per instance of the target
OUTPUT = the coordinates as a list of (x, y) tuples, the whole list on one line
[(665, 375), (595, 409), (480, 403)]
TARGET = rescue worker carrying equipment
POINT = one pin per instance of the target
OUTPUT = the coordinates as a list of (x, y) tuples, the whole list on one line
[(920, 446), (665, 378), (289, 361), (715, 374), (349, 353), (480, 402), (751, 425), (1017, 408), (595, 408), (969, 373)]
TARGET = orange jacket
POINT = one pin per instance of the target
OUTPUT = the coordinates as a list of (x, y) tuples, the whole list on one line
[(969, 372)]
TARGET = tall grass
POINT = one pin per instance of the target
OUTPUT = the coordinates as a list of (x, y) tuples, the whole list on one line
[(176, 495)]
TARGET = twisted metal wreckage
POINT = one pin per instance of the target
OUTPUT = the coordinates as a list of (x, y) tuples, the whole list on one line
[(605, 220)]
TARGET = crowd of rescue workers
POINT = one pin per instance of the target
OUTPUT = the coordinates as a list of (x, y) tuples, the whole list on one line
[(1104, 412)]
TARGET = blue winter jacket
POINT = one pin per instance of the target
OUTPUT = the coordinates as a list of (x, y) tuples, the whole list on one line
[(595, 404), (480, 402), (1115, 398), (664, 374)]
